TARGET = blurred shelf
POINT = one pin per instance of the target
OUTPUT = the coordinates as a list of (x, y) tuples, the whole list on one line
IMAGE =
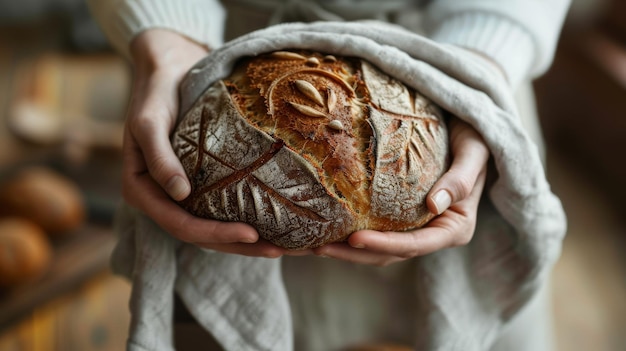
[(76, 259), (82, 92), (78, 256)]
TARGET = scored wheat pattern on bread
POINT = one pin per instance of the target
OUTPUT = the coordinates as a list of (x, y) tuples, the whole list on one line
[(308, 148)]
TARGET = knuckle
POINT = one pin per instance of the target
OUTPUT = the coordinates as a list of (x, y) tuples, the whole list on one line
[(159, 167), (463, 186), (387, 261), (410, 254), (180, 227), (270, 253), (142, 123), (462, 239), (464, 236), (179, 233), (149, 123)]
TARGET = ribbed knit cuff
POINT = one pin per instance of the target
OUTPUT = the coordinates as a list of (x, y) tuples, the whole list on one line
[(199, 20), (497, 37)]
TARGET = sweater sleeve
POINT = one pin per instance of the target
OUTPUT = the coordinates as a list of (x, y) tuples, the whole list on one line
[(121, 20), (520, 35)]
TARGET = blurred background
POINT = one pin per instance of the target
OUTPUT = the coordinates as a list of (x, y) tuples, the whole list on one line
[(63, 95)]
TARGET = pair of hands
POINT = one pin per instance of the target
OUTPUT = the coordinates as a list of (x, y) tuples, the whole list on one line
[(153, 176)]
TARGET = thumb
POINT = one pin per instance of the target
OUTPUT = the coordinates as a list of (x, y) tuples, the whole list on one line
[(164, 166), (150, 124), (469, 159)]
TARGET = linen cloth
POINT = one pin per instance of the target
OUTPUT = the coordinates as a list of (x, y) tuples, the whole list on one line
[(461, 297)]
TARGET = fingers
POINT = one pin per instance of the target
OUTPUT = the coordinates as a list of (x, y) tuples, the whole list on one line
[(140, 190), (149, 197), (149, 123), (469, 157), (404, 244), (384, 248), (345, 252), (455, 227), (153, 174), (260, 249), (162, 164)]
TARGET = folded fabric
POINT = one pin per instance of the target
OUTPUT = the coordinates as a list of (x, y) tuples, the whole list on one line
[(472, 291)]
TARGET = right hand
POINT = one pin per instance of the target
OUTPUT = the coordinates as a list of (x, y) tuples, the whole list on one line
[(153, 177), (454, 226)]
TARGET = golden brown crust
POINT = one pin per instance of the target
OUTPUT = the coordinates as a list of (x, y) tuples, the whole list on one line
[(358, 149), (304, 123)]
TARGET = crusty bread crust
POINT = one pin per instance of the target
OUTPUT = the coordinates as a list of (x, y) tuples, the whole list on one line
[(309, 148)]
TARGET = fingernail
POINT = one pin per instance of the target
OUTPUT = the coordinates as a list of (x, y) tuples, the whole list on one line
[(249, 240), (358, 246), (177, 187), (320, 254), (272, 254), (442, 201)]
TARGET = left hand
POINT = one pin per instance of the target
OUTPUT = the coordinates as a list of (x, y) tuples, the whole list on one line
[(454, 198), (153, 177)]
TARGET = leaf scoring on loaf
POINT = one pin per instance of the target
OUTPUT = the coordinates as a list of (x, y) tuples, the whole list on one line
[(266, 185)]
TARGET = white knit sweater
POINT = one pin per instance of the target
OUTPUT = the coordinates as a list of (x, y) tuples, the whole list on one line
[(520, 35)]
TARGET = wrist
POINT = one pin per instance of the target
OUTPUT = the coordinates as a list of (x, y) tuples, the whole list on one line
[(166, 51)]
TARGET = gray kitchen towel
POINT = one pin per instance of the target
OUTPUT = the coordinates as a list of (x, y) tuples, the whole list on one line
[(467, 294)]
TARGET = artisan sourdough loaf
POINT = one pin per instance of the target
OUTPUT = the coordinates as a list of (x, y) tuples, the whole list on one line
[(309, 148)]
